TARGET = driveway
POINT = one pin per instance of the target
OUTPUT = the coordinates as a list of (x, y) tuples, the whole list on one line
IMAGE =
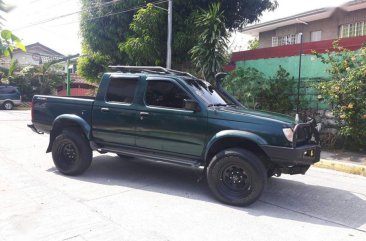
[(128, 199)]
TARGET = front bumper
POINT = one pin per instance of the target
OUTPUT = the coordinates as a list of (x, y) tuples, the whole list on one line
[(33, 128), (287, 156)]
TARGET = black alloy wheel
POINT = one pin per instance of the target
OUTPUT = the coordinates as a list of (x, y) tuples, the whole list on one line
[(236, 177), (71, 152)]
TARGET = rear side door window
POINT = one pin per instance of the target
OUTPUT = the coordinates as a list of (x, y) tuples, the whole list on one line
[(8, 90), (165, 93), (121, 90)]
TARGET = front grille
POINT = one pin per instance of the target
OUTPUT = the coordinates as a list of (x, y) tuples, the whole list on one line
[(304, 134)]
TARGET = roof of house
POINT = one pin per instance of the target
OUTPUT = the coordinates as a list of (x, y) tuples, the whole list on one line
[(308, 16), (42, 47)]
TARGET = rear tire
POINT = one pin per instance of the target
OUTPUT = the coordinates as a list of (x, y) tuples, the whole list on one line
[(71, 152), (236, 177), (8, 105)]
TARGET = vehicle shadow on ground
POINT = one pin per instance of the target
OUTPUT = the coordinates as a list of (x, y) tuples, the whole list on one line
[(283, 198)]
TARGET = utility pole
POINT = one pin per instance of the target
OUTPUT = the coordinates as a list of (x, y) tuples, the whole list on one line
[(299, 77), (68, 78), (169, 40), (297, 117)]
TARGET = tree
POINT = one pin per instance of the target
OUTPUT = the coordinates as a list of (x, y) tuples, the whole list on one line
[(237, 13), (101, 31), (145, 47), (277, 97), (346, 91), (92, 64), (210, 53), (255, 90), (8, 73), (8, 42), (253, 44), (247, 84), (43, 79), (106, 32)]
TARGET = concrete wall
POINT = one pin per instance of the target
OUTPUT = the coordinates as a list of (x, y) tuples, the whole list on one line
[(311, 67), (312, 70)]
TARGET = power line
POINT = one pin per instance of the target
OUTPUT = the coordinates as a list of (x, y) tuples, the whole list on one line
[(89, 19), (66, 15), (128, 10)]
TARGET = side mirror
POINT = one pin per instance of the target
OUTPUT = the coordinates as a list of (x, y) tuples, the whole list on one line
[(191, 105)]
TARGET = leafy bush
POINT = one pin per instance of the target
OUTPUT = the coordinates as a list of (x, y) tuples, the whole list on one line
[(277, 99), (346, 91), (253, 89), (34, 80), (247, 84)]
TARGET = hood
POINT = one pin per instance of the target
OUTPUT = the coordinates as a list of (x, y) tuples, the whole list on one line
[(250, 116)]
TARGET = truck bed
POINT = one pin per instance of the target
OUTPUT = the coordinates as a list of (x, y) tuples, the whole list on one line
[(46, 108)]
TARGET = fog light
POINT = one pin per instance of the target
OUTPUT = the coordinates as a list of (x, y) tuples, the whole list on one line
[(309, 153)]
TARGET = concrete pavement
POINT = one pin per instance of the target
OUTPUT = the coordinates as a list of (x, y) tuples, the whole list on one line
[(127, 199)]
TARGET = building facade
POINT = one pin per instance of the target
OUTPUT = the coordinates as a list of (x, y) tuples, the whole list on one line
[(346, 21), (36, 54)]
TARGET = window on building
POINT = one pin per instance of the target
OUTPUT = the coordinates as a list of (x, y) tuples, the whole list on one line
[(352, 30), (121, 90), (359, 28), (316, 36), (284, 40), (274, 41)]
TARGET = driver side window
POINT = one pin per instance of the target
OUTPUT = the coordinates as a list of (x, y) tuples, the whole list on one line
[(165, 94)]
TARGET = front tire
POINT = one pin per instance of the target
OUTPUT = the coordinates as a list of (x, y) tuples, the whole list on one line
[(71, 153), (236, 177), (8, 105)]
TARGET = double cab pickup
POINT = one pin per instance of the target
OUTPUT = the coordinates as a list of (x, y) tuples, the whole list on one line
[(163, 115)]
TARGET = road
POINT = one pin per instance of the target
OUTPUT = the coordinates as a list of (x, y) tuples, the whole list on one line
[(128, 199)]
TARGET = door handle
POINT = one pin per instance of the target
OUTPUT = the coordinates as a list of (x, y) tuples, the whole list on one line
[(144, 113), (104, 109)]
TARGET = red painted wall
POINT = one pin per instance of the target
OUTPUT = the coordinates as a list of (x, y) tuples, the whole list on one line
[(292, 50), (75, 92)]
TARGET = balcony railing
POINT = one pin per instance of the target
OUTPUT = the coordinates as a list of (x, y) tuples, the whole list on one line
[(293, 50)]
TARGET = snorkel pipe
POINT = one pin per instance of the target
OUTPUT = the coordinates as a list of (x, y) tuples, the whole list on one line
[(218, 79)]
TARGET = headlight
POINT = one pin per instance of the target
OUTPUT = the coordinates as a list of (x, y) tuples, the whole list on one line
[(289, 133)]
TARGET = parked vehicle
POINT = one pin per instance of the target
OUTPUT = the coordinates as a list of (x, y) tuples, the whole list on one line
[(168, 116), (9, 97)]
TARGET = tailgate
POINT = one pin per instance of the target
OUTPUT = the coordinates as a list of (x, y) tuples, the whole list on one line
[(46, 108)]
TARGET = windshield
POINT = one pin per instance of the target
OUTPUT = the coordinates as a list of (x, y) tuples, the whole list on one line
[(208, 93)]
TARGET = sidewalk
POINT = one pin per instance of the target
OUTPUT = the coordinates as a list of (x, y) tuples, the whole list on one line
[(348, 162)]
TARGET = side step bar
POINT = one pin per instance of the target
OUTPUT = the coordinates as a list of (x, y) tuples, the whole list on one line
[(150, 156)]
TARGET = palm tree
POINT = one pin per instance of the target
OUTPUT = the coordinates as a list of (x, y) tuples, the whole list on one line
[(210, 54)]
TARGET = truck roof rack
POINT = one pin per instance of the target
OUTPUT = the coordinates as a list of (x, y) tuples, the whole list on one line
[(149, 69)]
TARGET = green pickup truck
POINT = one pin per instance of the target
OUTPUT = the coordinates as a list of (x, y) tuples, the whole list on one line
[(164, 115)]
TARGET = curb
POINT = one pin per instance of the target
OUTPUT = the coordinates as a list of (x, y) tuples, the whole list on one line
[(342, 167)]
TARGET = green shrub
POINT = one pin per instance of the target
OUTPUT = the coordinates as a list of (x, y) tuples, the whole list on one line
[(346, 91), (254, 90)]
